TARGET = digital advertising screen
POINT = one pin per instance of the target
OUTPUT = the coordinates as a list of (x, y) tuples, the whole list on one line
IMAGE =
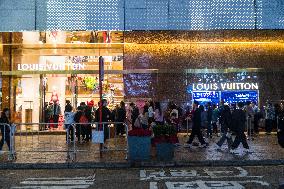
[(204, 97), (239, 96)]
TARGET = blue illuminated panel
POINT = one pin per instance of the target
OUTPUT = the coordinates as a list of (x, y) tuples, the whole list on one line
[(237, 96), (137, 85), (16, 15), (206, 96), (84, 15)]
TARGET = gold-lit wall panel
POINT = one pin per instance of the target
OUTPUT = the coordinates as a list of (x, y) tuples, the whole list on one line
[(173, 52), (209, 55)]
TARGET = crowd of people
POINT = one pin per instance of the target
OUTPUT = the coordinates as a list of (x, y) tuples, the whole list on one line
[(86, 114), (206, 120), (224, 120)]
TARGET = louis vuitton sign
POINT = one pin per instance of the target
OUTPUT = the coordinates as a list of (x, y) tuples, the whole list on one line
[(224, 86)]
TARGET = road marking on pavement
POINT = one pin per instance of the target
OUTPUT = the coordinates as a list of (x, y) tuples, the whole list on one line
[(175, 174), (205, 179), (56, 183)]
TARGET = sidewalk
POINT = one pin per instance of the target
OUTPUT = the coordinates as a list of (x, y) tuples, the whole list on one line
[(52, 150)]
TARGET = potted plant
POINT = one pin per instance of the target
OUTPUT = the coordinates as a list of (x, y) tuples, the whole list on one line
[(139, 144), (165, 136)]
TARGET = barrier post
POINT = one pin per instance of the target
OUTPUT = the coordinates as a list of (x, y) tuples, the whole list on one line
[(247, 126), (12, 142), (277, 123), (126, 135), (187, 127)]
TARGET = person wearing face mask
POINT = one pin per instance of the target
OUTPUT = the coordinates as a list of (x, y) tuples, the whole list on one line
[(5, 130)]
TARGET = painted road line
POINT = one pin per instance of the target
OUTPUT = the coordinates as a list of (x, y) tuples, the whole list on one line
[(56, 183), (51, 187)]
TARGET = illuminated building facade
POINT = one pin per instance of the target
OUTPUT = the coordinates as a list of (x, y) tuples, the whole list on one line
[(154, 49)]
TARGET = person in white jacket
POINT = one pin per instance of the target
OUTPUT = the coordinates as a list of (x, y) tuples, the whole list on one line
[(68, 121)]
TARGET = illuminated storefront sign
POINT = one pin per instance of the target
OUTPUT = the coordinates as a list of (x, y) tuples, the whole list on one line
[(224, 86), (51, 67)]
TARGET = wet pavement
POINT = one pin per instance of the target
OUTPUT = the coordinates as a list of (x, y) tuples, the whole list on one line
[(250, 177), (53, 149)]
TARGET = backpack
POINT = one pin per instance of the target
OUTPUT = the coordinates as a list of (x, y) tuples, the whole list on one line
[(83, 119)]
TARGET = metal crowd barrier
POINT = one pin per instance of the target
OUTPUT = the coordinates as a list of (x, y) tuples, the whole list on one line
[(96, 126), (32, 140), (11, 150), (249, 127)]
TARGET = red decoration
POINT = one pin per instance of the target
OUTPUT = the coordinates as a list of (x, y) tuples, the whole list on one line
[(140, 132), (165, 139)]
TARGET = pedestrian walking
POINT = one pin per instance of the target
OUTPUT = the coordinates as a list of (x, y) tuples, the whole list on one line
[(68, 121), (215, 115), (5, 130), (226, 123), (196, 126), (269, 117), (239, 121)]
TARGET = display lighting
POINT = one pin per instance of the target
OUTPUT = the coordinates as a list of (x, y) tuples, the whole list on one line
[(216, 14)]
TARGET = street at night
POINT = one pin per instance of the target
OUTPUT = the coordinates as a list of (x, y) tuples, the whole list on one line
[(146, 178)]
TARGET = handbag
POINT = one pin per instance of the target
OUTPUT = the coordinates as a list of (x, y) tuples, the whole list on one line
[(97, 137)]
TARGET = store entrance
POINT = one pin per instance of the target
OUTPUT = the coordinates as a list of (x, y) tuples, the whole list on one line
[(38, 94)]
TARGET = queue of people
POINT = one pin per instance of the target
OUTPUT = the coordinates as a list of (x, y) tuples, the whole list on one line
[(86, 114)]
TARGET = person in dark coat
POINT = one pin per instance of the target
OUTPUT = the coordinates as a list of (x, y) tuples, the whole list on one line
[(196, 126), (134, 113), (5, 130), (280, 132), (106, 117), (83, 115), (239, 121), (226, 122), (121, 116)]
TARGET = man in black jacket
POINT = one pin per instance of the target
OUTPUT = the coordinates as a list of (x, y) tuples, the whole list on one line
[(196, 126), (106, 117), (239, 121), (121, 116)]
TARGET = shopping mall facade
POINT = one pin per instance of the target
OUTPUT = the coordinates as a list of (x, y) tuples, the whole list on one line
[(165, 50)]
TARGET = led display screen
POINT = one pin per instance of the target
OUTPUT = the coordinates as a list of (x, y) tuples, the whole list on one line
[(206, 96), (237, 96)]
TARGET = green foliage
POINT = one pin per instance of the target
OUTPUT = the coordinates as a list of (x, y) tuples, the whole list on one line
[(91, 82), (164, 130)]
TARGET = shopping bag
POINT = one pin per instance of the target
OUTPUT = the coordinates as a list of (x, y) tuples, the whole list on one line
[(98, 137)]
